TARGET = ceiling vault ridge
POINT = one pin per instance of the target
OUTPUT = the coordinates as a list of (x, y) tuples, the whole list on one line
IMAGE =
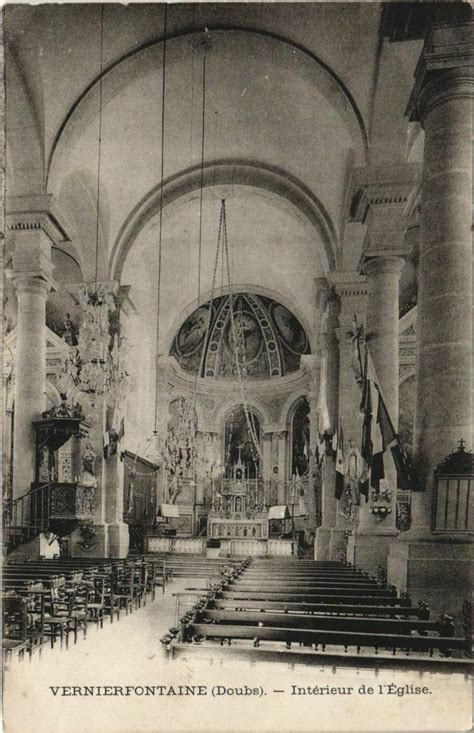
[(226, 171), (189, 31)]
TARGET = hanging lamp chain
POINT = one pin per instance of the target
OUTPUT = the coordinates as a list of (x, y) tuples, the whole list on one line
[(160, 230)]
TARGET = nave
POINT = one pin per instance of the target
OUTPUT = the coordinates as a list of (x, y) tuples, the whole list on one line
[(320, 612), (123, 671)]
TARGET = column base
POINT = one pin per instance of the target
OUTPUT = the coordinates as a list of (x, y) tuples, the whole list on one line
[(338, 545), (119, 539), (369, 551), (322, 543), (439, 573)]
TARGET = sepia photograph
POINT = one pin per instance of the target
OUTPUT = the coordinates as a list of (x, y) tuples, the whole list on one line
[(237, 382)]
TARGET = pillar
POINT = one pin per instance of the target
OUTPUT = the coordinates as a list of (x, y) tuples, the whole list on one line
[(437, 568), (380, 199), (282, 476), (351, 291), (444, 324), (267, 467), (382, 332), (32, 277), (329, 343)]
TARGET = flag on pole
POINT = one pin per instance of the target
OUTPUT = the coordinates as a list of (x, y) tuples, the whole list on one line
[(379, 435), (339, 485), (322, 408), (334, 444), (112, 435)]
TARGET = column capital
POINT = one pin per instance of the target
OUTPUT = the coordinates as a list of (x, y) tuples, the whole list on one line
[(351, 291), (445, 68), (383, 264), (380, 198), (37, 213), (31, 282)]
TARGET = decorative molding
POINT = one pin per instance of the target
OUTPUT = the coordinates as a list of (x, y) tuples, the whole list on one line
[(33, 213), (373, 186), (444, 69)]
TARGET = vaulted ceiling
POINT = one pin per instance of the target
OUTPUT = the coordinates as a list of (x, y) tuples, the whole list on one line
[(296, 94)]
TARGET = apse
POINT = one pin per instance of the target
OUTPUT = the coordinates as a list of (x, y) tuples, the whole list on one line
[(267, 336)]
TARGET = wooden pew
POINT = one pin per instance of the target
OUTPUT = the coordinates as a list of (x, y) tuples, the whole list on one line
[(326, 608), (304, 585), (302, 596), (319, 622), (318, 637)]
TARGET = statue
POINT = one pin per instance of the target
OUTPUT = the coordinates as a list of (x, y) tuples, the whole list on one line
[(88, 477), (70, 334), (355, 471)]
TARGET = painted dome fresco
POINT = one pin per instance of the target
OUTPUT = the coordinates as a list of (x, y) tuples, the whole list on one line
[(268, 339)]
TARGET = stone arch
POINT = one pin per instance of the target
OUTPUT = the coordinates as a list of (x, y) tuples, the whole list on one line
[(143, 59), (222, 412), (406, 374), (222, 172), (288, 413)]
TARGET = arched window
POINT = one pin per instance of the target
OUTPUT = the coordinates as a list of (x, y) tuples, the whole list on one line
[(242, 431), (300, 439)]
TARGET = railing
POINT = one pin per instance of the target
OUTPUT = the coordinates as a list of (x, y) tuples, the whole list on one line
[(53, 506), (26, 517)]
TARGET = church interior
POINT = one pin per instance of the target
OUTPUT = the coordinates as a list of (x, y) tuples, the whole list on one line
[(237, 330)]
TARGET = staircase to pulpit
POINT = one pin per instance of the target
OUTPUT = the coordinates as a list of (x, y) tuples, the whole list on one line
[(63, 491)]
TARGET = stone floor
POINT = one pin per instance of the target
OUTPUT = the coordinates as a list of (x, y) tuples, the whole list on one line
[(239, 695)]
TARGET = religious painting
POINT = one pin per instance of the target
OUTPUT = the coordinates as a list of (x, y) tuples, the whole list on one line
[(289, 328), (193, 331), (265, 336), (243, 336)]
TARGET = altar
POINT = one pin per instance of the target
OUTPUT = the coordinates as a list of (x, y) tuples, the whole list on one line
[(238, 510)]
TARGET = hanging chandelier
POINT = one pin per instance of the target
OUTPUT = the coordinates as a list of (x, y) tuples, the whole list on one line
[(96, 364)]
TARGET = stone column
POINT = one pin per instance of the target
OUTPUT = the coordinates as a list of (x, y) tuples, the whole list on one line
[(383, 274), (267, 456), (441, 100), (380, 198), (351, 289), (114, 475), (267, 461), (32, 277), (282, 476), (444, 322), (322, 545)]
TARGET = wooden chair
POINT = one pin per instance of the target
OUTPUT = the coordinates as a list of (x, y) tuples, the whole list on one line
[(96, 605), (58, 621), (123, 590), (35, 614), (14, 626)]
